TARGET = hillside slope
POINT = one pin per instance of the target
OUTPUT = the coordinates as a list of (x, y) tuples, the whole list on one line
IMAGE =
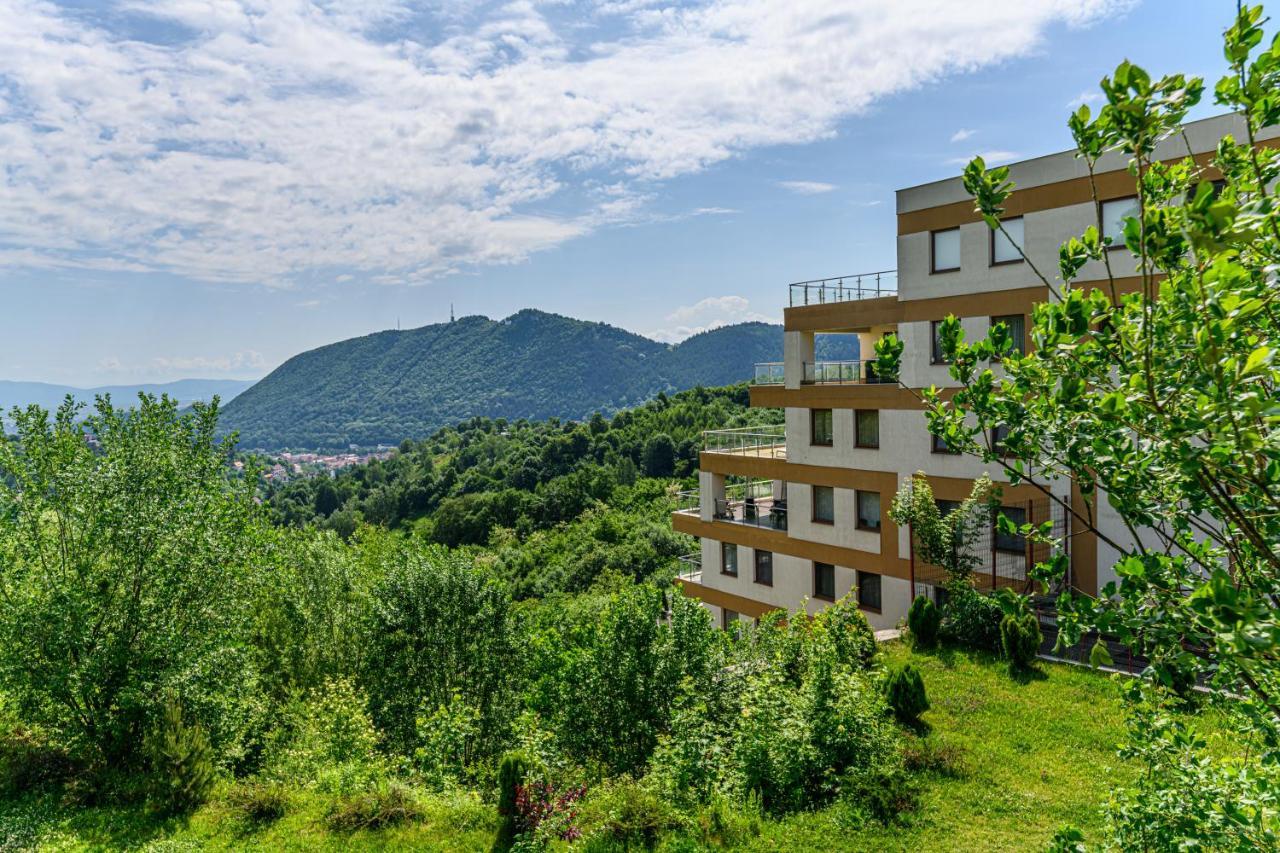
[(389, 386)]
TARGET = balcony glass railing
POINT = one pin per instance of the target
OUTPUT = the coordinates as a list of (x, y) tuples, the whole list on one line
[(770, 373), (768, 441), (691, 567), (744, 503), (841, 372), (845, 288)]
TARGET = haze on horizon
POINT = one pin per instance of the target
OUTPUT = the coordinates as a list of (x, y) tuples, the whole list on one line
[(207, 189)]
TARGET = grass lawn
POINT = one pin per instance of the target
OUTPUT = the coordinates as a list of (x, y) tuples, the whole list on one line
[(1037, 753)]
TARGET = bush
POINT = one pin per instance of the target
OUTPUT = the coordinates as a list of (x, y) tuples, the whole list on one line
[(29, 761), (1020, 639), (904, 690), (182, 773), (511, 775), (384, 804), (924, 621), (881, 793), (628, 813), (971, 619), (849, 631), (926, 755), (258, 801), (327, 742)]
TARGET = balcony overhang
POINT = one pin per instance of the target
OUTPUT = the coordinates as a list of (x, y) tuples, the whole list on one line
[(833, 396)]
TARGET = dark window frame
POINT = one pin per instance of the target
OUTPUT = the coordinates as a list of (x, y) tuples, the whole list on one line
[(1102, 206), (813, 428), (857, 510), (755, 563), (936, 355), (724, 564), (944, 450), (878, 606), (857, 433), (933, 260), (997, 444), (817, 590), (1020, 341), (997, 537), (813, 505), (991, 244)]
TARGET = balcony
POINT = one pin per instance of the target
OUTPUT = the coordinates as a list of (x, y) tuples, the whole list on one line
[(763, 442), (845, 288), (752, 504), (855, 372), (690, 567)]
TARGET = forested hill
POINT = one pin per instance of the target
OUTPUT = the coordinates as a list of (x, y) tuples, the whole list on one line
[(390, 386)]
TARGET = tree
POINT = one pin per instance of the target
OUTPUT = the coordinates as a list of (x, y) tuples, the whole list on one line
[(124, 547), (659, 456), (1160, 401), (944, 540)]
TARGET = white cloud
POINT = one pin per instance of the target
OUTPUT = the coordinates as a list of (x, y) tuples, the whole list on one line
[(710, 313), (962, 134), (807, 187), (1087, 97), (991, 158), (268, 142)]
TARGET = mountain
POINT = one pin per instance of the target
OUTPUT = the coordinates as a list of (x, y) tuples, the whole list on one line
[(389, 386), (50, 396)]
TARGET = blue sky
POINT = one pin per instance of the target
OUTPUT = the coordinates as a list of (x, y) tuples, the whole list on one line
[(206, 188)]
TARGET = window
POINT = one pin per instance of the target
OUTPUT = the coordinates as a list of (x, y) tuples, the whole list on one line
[(824, 581), (1004, 249), (1011, 542), (820, 432), (944, 255), (939, 445), (945, 508), (999, 433), (866, 427), (1016, 324), (936, 355), (728, 559), (824, 505), (1113, 214), (869, 591), (868, 510), (764, 567), (728, 619)]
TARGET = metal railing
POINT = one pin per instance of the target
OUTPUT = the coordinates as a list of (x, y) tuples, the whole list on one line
[(770, 373), (842, 372), (768, 440), (744, 503), (690, 567), (844, 288)]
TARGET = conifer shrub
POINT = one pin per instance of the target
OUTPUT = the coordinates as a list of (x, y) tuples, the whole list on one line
[(1020, 638), (511, 776), (182, 762), (924, 620), (904, 690)]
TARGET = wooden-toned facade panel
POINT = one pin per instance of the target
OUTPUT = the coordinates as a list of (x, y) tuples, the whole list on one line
[(748, 607), (866, 313), (838, 397)]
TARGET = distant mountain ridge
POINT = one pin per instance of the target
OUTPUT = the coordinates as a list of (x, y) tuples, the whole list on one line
[(389, 386), (49, 396)]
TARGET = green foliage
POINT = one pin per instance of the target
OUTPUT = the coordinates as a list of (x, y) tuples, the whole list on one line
[(659, 456), (948, 541), (326, 741), (258, 801), (382, 805), (970, 618), (438, 627), (181, 771), (389, 386), (924, 620), (512, 773), (1020, 639), (447, 741), (1184, 799), (126, 546), (627, 814), (904, 690)]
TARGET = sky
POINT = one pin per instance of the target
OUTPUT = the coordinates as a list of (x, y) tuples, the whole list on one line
[(204, 188)]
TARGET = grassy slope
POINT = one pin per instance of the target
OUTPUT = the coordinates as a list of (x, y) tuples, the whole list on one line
[(1039, 753)]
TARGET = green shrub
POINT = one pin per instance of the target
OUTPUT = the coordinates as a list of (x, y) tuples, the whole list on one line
[(882, 793), (927, 755), (384, 804), (258, 801), (924, 621), (182, 773), (971, 619), (904, 690), (511, 775), (326, 741), (1020, 639), (849, 631), (629, 813), (29, 761)]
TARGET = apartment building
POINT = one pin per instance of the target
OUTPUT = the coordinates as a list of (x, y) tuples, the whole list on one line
[(801, 513)]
